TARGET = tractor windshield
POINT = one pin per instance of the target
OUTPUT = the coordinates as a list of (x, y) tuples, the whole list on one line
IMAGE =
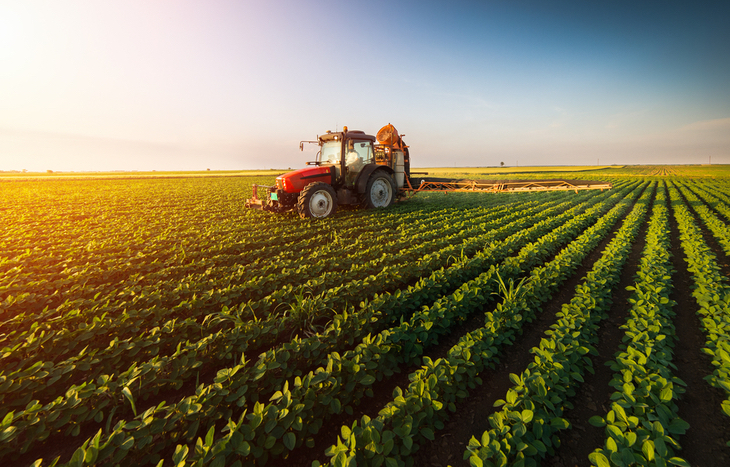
[(331, 151)]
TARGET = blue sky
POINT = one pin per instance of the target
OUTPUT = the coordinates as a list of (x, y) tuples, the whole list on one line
[(188, 85)]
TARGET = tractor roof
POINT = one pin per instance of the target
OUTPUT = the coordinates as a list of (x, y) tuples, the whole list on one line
[(351, 134)]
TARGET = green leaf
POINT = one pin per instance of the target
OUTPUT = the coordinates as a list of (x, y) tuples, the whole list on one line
[(559, 423), (290, 441), (678, 461), (597, 420), (127, 444), (598, 459), (244, 449), (631, 438), (611, 445), (627, 456), (666, 394), (726, 407), (408, 442), (91, 455), (617, 459), (210, 436), (340, 459), (427, 433), (647, 448), (476, 461), (77, 460), (678, 426), (621, 413), (367, 380), (7, 432), (615, 432), (181, 453), (128, 394)]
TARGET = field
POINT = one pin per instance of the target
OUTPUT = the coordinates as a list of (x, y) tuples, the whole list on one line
[(150, 320)]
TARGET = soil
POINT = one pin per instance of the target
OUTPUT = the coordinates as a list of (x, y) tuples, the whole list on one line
[(471, 416), (702, 446)]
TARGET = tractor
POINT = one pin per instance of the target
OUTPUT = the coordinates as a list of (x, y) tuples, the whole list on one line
[(351, 169)]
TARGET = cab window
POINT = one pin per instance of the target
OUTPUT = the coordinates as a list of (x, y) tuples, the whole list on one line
[(330, 153), (362, 150)]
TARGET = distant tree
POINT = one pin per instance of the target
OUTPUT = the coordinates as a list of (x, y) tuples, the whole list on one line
[(49, 171), (501, 164)]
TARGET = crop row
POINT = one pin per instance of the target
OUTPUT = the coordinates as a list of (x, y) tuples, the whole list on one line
[(72, 291), (197, 297), (526, 428), (68, 230), (176, 250), (715, 199), (716, 225), (163, 232), (711, 293), (643, 422), (416, 413), (207, 401), (349, 381), (243, 335)]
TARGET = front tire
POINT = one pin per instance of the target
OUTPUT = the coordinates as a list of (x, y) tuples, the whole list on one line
[(318, 200), (380, 190)]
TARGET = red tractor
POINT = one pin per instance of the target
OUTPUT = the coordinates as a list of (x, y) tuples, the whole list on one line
[(351, 168)]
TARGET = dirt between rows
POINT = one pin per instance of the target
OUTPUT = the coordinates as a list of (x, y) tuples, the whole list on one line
[(471, 414), (471, 417), (593, 396), (702, 446), (704, 443)]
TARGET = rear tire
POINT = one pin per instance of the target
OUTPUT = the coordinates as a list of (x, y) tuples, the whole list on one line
[(318, 200), (380, 191)]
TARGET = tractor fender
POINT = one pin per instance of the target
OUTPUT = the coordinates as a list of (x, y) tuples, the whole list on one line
[(362, 180)]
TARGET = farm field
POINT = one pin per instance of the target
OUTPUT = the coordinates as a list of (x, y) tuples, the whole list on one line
[(156, 321)]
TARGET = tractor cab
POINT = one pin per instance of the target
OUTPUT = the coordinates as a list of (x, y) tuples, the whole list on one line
[(347, 153)]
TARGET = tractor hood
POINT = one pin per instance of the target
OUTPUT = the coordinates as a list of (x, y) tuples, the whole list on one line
[(294, 182)]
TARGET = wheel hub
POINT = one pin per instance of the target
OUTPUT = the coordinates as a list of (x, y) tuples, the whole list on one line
[(320, 204), (380, 193)]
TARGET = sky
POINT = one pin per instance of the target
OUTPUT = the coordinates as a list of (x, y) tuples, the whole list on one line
[(233, 85)]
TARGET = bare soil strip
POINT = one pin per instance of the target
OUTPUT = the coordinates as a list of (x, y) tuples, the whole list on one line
[(383, 390), (593, 397), (700, 404), (471, 417)]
